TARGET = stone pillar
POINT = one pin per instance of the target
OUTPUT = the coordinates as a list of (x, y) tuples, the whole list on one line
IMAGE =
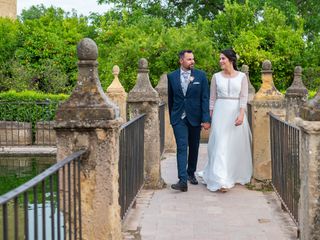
[(309, 205), (296, 96), (143, 98), (8, 8), (267, 99), (117, 93), (251, 90), (89, 120), (162, 89)]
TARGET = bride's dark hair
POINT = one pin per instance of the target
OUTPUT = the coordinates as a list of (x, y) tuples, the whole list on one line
[(232, 56)]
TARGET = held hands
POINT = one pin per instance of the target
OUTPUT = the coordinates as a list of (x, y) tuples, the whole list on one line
[(206, 125)]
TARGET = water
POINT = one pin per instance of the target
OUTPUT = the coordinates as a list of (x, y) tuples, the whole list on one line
[(16, 170)]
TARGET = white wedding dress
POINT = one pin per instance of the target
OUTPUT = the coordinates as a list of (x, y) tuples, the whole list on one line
[(229, 146)]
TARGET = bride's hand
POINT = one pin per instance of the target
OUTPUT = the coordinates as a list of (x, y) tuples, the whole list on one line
[(239, 120)]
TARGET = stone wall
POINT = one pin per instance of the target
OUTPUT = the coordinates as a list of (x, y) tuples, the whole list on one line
[(15, 133), (45, 134)]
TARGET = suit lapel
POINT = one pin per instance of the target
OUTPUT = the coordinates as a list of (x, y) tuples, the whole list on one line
[(190, 83)]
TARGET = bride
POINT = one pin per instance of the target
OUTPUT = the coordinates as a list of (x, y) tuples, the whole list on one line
[(229, 146)]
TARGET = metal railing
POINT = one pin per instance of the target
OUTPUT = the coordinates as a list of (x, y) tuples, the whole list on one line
[(162, 126), (284, 139), (46, 207), (131, 162), (27, 123)]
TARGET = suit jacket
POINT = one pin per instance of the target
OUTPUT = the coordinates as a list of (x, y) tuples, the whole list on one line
[(196, 101)]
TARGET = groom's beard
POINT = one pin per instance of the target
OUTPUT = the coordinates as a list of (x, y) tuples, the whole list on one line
[(190, 67)]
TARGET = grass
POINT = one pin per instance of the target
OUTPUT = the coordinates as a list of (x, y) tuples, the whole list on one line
[(263, 186)]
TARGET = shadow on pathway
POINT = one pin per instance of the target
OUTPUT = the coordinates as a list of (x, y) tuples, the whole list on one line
[(199, 214)]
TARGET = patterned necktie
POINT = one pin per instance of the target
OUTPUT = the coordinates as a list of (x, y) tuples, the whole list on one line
[(185, 82)]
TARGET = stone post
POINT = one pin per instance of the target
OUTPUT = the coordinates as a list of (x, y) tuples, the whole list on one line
[(251, 90), (309, 205), (162, 89), (8, 8), (143, 98), (296, 96), (267, 99), (89, 120), (117, 93)]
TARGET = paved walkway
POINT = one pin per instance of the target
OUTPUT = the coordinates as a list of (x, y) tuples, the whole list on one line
[(199, 214)]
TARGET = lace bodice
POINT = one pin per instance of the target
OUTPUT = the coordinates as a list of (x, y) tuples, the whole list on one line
[(229, 88)]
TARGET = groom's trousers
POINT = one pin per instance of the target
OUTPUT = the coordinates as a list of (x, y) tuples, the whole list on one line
[(187, 140)]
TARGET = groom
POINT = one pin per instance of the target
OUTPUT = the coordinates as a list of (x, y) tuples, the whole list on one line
[(188, 102)]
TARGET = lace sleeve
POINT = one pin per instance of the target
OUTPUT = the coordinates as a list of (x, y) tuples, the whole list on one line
[(244, 92), (213, 92)]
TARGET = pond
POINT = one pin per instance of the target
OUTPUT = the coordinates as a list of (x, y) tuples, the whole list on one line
[(14, 171)]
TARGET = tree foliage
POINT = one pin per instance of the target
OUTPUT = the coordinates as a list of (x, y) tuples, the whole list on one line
[(38, 51), (42, 53)]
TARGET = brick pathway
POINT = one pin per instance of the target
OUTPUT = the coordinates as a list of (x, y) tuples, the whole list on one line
[(199, 214)]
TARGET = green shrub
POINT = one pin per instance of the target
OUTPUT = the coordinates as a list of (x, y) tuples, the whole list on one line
[(29, 106)]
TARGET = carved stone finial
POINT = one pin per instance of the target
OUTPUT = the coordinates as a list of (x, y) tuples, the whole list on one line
[(245, 69), (163, 82), (143, 90), (162, 87), (115, 86), (143, 65), (266, 66), (297, 87), (87, 49), (311, 110), (115, 70), (251, 90), (267, 90), (117, 93), (87, 105), (298, 71)]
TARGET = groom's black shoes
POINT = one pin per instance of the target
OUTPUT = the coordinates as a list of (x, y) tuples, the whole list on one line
[(182, 186), (192, 180)]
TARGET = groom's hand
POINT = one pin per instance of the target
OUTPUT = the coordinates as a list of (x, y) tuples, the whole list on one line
[(206, 125)]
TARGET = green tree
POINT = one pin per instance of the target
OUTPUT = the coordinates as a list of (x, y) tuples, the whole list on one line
[(257, 35), (49, 44), (307, 10), (176, 13), (9, 40), (123, 43)]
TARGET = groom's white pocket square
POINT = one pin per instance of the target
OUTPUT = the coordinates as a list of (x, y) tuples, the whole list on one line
[(196, 83)]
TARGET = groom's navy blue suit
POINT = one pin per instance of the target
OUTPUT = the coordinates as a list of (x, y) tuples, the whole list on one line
[(195, 104)]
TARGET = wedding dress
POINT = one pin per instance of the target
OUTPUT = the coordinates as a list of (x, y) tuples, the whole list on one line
[(229, 146)]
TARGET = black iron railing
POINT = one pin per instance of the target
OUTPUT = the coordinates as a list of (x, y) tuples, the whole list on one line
[(46, 207), (27, 123), (131, 162), (284, 139), (162, 126)]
